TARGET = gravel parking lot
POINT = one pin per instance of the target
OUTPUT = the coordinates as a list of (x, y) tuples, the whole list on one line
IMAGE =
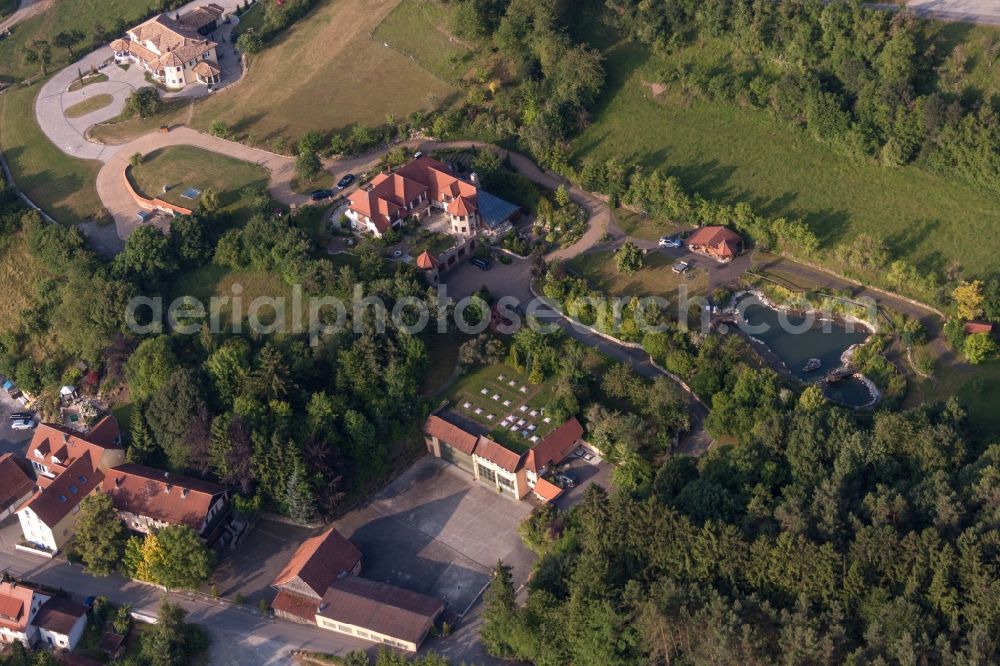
[(438, 531)]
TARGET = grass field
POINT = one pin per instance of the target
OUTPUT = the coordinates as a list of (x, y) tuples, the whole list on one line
[(181, 167), (63, 186), (19, 273), (976, 387), (118, 130), (419, 29), (83, 15), (212, 280), (330, 75), (746, 155), (655, 279), (88, 105), (469, 389), (644, 227)]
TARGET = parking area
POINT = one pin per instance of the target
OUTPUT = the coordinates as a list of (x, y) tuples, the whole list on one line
[(583, 473), (11, 441), (437, 531), (265, 550)]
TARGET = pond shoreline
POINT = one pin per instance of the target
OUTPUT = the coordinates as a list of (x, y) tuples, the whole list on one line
[(730, 318)]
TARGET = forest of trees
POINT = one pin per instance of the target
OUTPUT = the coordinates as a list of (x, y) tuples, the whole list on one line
[(868, 82), (821, 538), (292, 426)]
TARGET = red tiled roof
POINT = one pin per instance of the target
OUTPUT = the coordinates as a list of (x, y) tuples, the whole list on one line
[(69, 445), (15, 605), (105, 433), (978, 327), (451, 434), (426, 261), (498, 454), (462, 205), (713, 236), (319, 561), (379, 607), (547, 491), (296, 604), (59, 615), (555, 446), (52, 503), (15, 482), (391, 194), (170, 498)]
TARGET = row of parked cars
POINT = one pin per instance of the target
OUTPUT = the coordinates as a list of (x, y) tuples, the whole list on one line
[(322, 195), (23, 420)]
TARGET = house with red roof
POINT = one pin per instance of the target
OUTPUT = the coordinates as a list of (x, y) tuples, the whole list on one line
[(720, 243), (68, 465), (16, 483), (147, 499), (513, 474), (175, 50), (419, 187), (32, 618)]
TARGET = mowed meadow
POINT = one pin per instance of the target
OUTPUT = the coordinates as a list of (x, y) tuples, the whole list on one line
[(733, 154), (327, 72)]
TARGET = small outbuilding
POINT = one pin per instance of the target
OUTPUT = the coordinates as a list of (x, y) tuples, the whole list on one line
[(720, 243)]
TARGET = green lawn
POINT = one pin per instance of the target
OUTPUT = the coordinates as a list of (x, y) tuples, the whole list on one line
[(63, 186), (331, 73), (419, 29), (746, 155), (216, 281), (88, 105), (655, 279), (19, 273), (181, 167), (976, 387), (644, 227), (469, 389), (87, 80), (432, 242), (120, 130), (88, 16)]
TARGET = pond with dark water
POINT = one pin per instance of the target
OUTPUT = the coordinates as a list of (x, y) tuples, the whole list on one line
[(795, 338)]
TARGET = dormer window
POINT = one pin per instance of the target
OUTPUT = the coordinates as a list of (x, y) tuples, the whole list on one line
[(73, 489), (63, 499), (83, 479)]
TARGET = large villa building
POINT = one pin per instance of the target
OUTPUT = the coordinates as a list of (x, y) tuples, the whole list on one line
[(420, 187), (175, 50)]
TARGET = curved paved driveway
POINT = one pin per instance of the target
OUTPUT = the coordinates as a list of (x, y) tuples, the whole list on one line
[(119, 203)]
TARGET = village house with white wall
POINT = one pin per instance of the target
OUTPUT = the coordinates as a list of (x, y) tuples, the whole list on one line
[(29, 617)]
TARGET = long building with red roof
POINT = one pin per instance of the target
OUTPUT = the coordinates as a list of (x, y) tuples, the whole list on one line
[(515, 474)]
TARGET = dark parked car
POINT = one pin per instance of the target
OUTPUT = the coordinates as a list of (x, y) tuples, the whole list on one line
[(319, 195), (345, 181), (480, 263)]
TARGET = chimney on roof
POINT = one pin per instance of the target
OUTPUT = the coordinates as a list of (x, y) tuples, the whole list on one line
[(118, 481), (184, 492), (65, 438)]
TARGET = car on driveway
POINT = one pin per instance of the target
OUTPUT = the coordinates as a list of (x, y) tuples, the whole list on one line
[(480, 263), (345, 181), (319, 195), (671, 241), (680, 267), (23, 424)]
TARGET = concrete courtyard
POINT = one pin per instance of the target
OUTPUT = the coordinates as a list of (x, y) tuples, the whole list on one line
[(438, 531)]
